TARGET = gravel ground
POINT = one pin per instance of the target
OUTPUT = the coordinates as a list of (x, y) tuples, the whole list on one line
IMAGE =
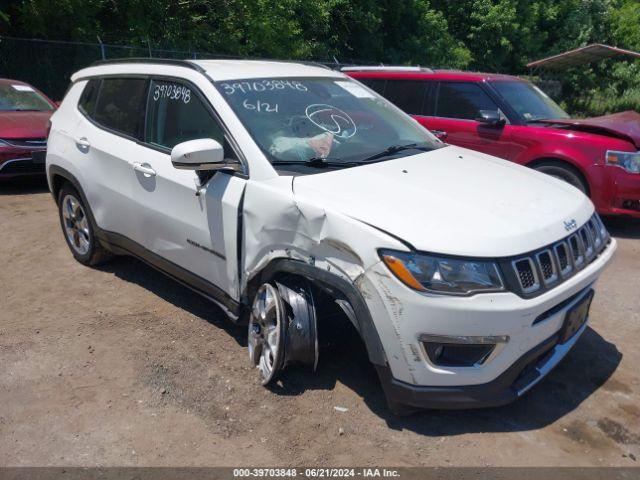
[(120, 366)]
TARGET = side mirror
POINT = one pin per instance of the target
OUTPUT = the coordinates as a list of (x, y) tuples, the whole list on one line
[(492, 118), (201, 154)]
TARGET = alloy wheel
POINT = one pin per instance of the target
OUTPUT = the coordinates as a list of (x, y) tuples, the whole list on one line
[(266, 332), (76, 224)]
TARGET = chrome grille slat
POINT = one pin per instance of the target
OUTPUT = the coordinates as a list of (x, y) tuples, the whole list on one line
[(577, 250), (551, 265), (547, 265), (562, 255), (586, 241), (595, 234), (527, 274)]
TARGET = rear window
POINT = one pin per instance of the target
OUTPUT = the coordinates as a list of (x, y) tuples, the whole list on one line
[(121, 105), (462, 100), (408, 95)]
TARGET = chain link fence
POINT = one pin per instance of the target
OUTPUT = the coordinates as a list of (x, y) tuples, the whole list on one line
[(48, 64)]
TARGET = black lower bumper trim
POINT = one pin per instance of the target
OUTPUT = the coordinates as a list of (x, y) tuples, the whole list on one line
[(500, 391)]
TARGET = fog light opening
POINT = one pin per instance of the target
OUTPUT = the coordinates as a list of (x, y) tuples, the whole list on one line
[(457, 355)]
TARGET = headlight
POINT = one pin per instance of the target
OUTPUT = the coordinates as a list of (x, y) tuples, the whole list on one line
[(630, 161), (453, 276)]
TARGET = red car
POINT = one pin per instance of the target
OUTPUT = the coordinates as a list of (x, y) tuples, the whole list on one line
[(24, 113), (511, 118)]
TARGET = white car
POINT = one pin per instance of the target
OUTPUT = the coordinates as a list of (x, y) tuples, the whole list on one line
[(276, 189)]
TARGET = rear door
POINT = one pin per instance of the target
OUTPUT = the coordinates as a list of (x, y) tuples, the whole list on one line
[(454, 107), (194, 230), (106, 141)]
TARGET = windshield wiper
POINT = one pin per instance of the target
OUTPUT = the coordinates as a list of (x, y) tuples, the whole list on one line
[(316, 162), (393, 149)]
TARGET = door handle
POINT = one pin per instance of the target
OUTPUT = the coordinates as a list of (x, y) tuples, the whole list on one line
[(145, 169), (83, 144), (440, 134)]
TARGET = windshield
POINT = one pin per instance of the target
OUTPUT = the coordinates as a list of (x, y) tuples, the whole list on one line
[(335, 119), (529, 101), (18, 97)]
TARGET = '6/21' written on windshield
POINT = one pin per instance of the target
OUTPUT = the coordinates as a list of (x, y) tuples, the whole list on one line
[(262, 86)]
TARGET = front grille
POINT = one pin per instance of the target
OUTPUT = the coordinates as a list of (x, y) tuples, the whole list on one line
[(31, 143), (536, 272)]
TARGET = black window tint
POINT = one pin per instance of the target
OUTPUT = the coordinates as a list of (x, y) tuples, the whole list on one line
[(121, 104), (407, 95), (89, 96), (375, 84), (462, 100), (176, 114)]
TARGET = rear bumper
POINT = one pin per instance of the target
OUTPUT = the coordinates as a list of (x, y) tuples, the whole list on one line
[(514, 382)]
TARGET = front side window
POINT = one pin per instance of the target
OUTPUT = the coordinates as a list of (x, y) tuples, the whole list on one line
[(529, 101), (408, 95), (176, 114), (18, 97), (121, 105), (462, 100), (336, 119)]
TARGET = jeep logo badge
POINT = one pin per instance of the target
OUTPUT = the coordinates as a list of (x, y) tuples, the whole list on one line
[(570, 225)]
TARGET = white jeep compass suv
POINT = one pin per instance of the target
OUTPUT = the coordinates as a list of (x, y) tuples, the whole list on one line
[(275, 188)]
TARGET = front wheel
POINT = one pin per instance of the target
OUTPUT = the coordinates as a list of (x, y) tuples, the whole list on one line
[(563, 172), (78, 229)]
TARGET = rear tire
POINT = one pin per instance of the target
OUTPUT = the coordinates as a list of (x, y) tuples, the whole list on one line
[(78, 229), (564, 172)]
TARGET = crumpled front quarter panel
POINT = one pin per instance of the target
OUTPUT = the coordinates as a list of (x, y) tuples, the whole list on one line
[(279, 224)]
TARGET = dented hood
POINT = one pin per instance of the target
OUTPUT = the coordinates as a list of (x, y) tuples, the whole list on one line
[(622, 125), (452, 201)]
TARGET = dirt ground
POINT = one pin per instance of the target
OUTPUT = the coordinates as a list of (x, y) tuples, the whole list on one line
[(120, 366)]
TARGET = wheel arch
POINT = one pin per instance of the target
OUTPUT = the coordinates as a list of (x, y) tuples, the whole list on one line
[(334, 286), (575, 167), (58, 176)]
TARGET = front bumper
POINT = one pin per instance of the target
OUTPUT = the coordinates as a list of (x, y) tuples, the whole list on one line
[(22, 163), (621, 193), (518, 379), (532, 326)]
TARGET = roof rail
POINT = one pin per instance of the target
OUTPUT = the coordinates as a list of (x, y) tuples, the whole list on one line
[(159, 61), (385, 68)]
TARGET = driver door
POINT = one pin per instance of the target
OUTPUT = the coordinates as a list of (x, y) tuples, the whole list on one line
[(456, 107), (192, 232)]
